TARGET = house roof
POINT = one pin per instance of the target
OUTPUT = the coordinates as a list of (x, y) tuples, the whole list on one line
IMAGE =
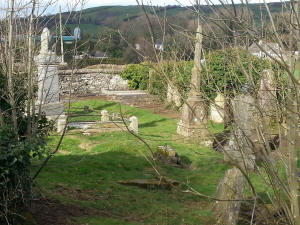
[(66, 38), (266, 46)]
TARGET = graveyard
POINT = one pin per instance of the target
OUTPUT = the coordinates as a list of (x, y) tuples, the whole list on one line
[(118, 162), (118, 156), (192, 123), (86, 170)]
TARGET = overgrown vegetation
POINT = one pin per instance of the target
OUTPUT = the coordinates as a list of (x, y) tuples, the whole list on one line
[(222, 71), (17, 148), (137, 76)]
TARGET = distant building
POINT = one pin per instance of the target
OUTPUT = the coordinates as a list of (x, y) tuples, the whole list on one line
[(66, 39), (77, 33), (100, 55), (264, 49)]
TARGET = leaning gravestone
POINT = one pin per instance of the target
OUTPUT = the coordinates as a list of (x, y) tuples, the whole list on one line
[(240, 148), (240, 155), (230, 188), (173, 95)]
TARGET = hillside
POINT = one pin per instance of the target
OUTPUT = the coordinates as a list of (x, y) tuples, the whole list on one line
[(94, 20)]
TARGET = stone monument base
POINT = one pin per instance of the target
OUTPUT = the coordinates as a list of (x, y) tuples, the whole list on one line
[(194, 132), (54, 111)]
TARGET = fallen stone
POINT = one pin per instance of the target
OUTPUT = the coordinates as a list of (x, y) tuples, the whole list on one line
[(167, 155)]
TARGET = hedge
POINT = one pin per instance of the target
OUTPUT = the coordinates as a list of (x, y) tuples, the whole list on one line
[(223, 71)]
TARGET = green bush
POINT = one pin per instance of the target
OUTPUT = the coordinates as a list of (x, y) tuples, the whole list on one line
[(179, 72), (17, 150), (85, 62), (223, 71), (137, 76)]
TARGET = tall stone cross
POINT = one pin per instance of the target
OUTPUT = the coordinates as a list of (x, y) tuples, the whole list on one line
[(194, 116)]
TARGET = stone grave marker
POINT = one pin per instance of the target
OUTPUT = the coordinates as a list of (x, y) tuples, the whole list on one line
[(217, 109), (104, 116), (240, 155), (134, 124)]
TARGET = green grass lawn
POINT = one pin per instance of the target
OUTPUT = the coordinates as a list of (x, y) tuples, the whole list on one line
[(87, 169)]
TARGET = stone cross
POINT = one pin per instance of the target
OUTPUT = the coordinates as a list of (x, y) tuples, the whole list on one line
[(45, 41)]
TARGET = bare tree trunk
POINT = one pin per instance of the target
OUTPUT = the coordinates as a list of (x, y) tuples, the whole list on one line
[(10, 68), (30, 111), (292, 126)]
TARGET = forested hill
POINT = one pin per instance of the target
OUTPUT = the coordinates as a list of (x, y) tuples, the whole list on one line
[(94, 20)]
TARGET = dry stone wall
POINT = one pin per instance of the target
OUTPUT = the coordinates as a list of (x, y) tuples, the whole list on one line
[(87, 82)]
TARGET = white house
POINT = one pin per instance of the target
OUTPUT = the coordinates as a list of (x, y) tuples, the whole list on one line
[(264, 49)]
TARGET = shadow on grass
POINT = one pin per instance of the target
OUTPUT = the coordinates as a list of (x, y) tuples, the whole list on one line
[(112, 165), (92, 179), (106, 105), (185, 160), (152, 123)]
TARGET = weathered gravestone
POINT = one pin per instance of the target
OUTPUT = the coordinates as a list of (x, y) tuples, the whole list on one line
[(61, 123), (104, 116), (115, 116), (267, 96), (240, 154), (230, 193), (86, 109), (134, 124), (173, 95), (150, 81), (240, 150), (217, 109)]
